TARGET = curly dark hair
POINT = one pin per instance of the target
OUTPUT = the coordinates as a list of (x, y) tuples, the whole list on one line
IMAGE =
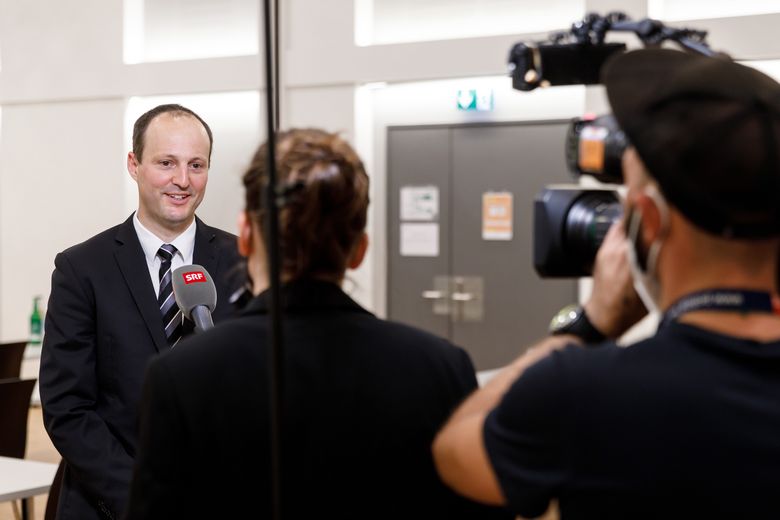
[(323, 219)]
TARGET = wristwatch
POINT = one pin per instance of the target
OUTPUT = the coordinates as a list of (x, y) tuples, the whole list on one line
[(573, 320)]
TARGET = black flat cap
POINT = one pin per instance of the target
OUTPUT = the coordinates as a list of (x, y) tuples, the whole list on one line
[(708, 130)]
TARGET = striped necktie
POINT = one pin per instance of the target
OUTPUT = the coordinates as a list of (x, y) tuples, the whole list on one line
[(171, 314)]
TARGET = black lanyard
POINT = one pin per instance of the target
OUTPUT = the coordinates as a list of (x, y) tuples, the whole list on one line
[(722, 300)]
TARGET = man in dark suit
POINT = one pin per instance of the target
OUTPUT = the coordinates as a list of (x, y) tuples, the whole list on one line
[(111, 309)]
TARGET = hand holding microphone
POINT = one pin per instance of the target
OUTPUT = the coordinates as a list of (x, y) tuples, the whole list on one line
[(195, 294)]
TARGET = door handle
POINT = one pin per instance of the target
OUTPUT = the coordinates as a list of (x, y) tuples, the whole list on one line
[(439, 295), (467, 298), (462, 297)]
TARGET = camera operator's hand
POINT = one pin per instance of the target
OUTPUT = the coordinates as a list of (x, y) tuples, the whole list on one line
[(614, 306)]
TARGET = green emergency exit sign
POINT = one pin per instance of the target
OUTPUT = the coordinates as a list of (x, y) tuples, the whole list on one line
[(475, 99)]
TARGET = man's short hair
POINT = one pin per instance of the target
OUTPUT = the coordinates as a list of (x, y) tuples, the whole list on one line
[(708, 130), (142, 123)]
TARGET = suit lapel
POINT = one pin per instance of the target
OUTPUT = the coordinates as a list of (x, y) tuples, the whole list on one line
[(205, 252), (206, 255), (130, 258)]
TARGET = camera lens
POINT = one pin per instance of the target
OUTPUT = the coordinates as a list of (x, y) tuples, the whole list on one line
[(569, 225), (587, 223)]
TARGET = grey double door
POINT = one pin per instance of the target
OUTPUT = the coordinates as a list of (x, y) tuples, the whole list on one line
[(453, 270)]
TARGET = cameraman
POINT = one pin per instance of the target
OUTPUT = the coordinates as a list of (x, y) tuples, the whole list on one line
[(687, 422)]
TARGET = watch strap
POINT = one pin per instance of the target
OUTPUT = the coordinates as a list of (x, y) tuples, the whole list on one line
[(574, 320)]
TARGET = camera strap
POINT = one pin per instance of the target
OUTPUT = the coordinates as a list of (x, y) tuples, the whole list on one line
[(723, 300)]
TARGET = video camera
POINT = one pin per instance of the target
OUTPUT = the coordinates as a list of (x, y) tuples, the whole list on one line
[(570, 222)]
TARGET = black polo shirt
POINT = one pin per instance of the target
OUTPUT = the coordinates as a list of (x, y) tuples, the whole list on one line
[(684, 423)]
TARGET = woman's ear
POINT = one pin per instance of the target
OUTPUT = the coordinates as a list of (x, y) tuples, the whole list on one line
[(358, 252), (244, 234)]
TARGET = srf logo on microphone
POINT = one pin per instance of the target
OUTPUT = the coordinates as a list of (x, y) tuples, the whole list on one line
[(194, 277)]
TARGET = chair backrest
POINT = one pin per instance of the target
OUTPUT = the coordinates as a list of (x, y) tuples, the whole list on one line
[(14, 408), (11, 355), (54, 493)]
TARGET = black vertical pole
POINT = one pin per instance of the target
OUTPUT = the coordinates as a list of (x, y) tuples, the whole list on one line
[(276, 352), (277, 90)]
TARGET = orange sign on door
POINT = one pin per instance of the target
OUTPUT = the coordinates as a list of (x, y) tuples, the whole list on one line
[(497, 216)]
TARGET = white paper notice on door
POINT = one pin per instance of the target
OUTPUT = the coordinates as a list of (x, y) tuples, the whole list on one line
[(497, 216), (419, 203), (419, 239)]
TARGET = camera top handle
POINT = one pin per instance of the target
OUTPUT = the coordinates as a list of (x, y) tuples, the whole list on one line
[(593, 29)]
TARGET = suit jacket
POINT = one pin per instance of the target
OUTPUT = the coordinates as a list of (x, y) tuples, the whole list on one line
[(363, 399), (102, 327)]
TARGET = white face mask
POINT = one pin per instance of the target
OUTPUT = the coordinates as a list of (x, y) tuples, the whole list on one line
[(646, 281)]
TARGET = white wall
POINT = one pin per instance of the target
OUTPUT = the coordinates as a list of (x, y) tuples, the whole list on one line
[(60, 178), (64, 89), (58, 50)]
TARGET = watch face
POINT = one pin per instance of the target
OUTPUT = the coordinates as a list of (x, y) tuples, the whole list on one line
[(564, 318)]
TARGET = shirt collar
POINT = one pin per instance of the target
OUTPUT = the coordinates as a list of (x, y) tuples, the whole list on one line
[(150, 243)]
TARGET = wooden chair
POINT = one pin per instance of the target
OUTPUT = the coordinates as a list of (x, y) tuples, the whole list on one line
[(15, 397), (11, 355)]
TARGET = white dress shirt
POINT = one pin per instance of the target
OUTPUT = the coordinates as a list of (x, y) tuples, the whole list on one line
[(150, 243)]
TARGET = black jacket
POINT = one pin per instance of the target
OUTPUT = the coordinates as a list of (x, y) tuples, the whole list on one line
[(363, 400), (102, 327)]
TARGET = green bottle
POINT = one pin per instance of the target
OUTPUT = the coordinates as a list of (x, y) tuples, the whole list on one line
[(36, 325)]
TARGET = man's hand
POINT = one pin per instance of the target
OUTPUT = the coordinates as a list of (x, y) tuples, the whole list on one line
[(614, 305)]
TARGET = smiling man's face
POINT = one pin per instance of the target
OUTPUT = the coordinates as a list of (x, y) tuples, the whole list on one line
[(171, 174)]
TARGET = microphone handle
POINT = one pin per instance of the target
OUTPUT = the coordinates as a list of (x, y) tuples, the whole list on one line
[(201, 316)]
